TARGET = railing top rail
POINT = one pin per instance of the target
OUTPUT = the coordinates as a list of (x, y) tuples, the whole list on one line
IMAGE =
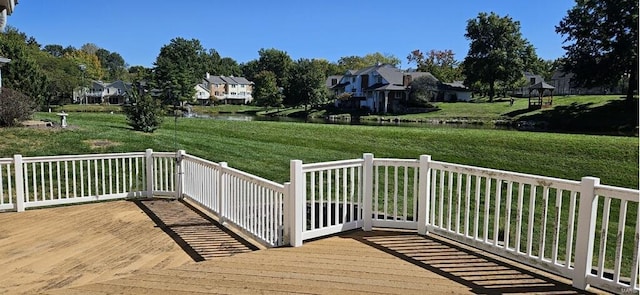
[(255, 179), (509, 175), (6, 160), (82, 157), (396, 162), (631, 195), (311, 167), (201, 161), (163, 155)]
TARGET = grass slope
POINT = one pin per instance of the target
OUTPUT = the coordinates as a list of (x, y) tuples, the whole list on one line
[(265, 148)]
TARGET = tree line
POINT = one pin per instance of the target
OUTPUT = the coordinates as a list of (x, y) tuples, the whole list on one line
[(601, 40)]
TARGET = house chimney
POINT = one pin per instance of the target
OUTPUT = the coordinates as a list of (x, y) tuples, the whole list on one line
[(208, 75)]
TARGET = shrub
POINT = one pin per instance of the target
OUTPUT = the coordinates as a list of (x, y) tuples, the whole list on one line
[(144, 113), (15, 107)]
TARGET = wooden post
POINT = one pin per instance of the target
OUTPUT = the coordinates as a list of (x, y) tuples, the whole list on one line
[(221, 192), (296, 203), (424, 189), (17, 164), (149, 161), (587, 214), (367, 188)]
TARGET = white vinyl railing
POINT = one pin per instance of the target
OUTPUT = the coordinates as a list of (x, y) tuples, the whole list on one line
[(581, 230), (332, 197), (253, 204), (7, 187)]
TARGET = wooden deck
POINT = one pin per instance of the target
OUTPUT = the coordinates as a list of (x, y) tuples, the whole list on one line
[(151, 247)]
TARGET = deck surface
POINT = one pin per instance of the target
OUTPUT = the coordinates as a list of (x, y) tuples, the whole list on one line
[(152, 247)]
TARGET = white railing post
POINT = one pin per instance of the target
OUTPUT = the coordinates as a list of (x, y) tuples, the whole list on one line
[(296, 203), (424, 189), (221, 192), (367, 188), (587, 214), (286, 228), (179, 177), (19, 175), (149, 171)]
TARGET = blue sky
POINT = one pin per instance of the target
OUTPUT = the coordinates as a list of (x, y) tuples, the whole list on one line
[(328, 29)]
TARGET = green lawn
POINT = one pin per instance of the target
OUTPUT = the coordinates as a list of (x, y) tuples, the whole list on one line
[(265, 148)]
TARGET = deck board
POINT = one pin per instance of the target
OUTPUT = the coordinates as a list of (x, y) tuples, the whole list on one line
[(378, 262), (151, 247), (46, 249)]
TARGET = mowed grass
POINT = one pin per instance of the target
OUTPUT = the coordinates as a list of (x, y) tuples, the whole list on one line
[(266, 148)]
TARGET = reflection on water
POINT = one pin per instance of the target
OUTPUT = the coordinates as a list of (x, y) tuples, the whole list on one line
[(246, 117)]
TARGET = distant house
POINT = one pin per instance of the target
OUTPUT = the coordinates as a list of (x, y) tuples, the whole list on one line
[(531, 79), (202, 95), (383, 88), (564, 85), (100, 93), (380, 88), (455, 91), (229, 89)]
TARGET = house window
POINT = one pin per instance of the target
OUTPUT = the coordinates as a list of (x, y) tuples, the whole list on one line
[(378, 79), (334, 82), (398, 95), (233, 85), (532, 81)]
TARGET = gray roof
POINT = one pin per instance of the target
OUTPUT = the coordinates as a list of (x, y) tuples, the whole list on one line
[(391, 74), (241, 80), (541, 85), (391, 87), (215, 80), (455, 85), (537, 78)]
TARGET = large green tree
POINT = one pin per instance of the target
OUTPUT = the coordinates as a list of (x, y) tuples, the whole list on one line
[(358, 62), (602, 39), (93, 67), (54, 49), (278, 62), (497, 52), (113, 64), (307, 84), (23, 73), (178, 68), (266, 91), (440, 63)]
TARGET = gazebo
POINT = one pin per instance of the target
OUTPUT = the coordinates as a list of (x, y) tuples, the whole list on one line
[(540, 101)]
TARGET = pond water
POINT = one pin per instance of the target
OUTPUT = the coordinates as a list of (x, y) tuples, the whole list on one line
[(247, 117)]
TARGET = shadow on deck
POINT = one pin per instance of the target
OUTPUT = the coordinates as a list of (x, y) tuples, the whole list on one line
[(200, 236), (481, 272), (356, 262)]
